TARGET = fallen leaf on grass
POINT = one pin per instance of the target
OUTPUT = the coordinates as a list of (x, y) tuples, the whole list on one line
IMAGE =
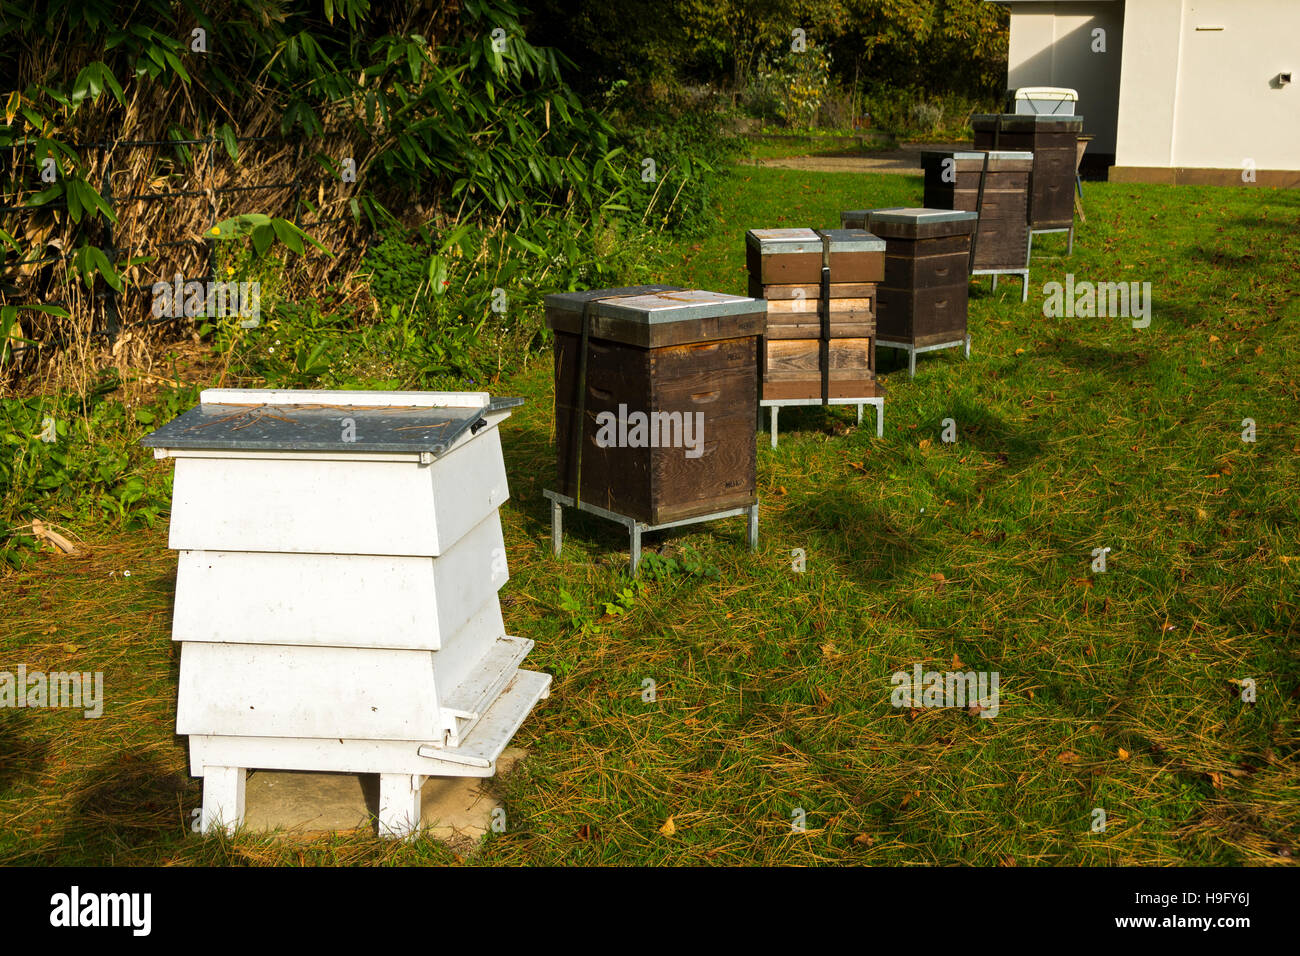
[(1068, 757), (1083, 582), (1216, 779), (863, 840), (923, 443), (669, 828), (1124, 754)]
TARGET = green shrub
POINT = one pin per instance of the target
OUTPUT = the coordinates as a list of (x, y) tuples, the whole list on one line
[(93, 470)]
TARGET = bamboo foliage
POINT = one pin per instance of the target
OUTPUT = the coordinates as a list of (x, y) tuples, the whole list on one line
[(163, 124)]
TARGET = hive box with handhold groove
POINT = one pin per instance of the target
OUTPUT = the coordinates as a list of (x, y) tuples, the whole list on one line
[(336, 595), (675, 372), (953, 181), (1054, 142), (923, 299)]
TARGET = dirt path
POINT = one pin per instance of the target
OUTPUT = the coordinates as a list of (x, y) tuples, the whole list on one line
[(906, 160)]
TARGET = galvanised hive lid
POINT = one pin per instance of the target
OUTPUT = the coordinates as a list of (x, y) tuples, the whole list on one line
[(913, 216), (307, 420), (569, 301), (652, 319), (770, 242), (675, 306), (655, 308), (851, 240)]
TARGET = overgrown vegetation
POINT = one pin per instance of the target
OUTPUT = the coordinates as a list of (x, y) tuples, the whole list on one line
[(484, 180), (836, 64), (772, 687)]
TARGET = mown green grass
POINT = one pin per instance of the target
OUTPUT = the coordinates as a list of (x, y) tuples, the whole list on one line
[(773, 687), (760, 146)]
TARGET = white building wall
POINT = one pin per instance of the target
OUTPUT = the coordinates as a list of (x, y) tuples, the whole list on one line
[(1229, 105), (1052, 44)]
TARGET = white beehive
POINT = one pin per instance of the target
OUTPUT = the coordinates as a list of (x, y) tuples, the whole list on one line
[(336, 595)]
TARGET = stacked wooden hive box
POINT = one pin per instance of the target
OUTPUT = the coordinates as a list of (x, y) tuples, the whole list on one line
[(995, 185), (655, 390), (336, 596), (1054, 142), (923, 297), (820, 288)]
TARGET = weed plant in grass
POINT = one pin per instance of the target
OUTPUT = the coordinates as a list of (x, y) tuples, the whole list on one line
[(1120, 691)]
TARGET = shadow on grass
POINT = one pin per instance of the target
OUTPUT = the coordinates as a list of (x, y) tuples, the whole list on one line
[(892, 548), (21, 754), (132, 800), (1118, 363)]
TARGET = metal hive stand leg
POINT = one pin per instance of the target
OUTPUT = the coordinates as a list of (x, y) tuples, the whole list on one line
[(775, 409), (557, 526), (223, 799), (1069, 245), (634, 532), (911, 362), (880, 418), (859, 414), (968, 346), (752, 526)]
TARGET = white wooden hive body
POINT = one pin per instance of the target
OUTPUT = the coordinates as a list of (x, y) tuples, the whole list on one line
[(337, 609)]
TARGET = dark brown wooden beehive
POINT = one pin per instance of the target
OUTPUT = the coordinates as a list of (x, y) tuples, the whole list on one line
[(1054, 142), (820, 339), (922, 300), (995, 184), (660, 351)]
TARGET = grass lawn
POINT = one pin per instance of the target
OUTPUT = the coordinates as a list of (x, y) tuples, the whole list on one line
[(1119, 691)]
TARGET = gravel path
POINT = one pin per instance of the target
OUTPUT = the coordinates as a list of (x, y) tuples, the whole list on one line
[(906, 160)]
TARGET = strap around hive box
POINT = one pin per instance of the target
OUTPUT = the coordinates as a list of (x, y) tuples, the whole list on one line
[(979, 205), (825, 344)]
